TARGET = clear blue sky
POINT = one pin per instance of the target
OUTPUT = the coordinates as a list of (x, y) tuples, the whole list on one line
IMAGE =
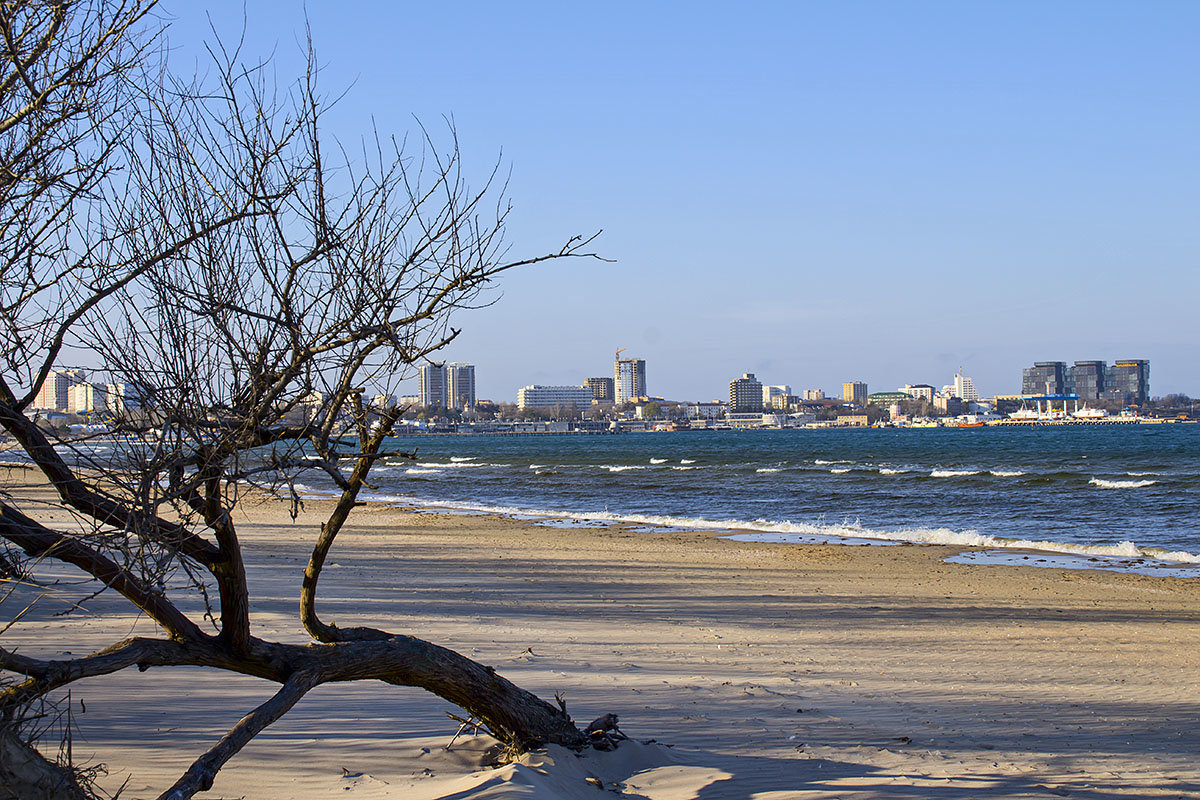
[(814, 192)]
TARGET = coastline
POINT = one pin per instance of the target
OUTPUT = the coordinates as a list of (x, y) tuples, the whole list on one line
[(807, 671), (1125, 557)]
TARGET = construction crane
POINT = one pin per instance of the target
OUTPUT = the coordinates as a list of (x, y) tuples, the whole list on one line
[(618, 356)]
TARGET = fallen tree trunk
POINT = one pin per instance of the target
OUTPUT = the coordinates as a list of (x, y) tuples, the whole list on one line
[(514, 716), (25, 774)]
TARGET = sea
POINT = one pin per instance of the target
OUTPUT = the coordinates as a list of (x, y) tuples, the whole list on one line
[(1120, 497)]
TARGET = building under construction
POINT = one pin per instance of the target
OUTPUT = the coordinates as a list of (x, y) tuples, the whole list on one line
[(629, 378)]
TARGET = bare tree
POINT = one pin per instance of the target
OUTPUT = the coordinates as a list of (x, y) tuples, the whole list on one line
[(246, 288)]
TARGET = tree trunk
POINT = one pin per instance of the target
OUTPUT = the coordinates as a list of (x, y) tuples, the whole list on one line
[(26, 775)]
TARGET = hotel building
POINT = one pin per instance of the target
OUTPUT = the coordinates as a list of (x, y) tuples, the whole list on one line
[(53, 393), (964, 388), (577, 397), (745, 394), (1127, 381), (432, 380), (460, 386)]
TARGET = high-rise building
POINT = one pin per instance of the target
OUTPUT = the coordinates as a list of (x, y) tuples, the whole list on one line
[(854, 392), (1044, 377), (813, 395), (52, 394), (1128, 381), (964, 388), (432, 391), (576, 397), (745, 394), (1086, 379), (87, 398), (460, 386), (629, 379), (603, 389), (769, 393)]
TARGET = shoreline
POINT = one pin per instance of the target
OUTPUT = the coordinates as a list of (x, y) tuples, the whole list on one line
[(982, 549), (1125, 557)]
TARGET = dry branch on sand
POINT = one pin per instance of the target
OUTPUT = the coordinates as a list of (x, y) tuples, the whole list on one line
[(241, 286)]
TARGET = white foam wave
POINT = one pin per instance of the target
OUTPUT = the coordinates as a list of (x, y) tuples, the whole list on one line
[(769, 469), (1103, 484), (687, 461), (419, 471), (824, 462), (890, 471), (1142, 474), (840, 471), (304, 490), (658, 461), (945, 536), (620, 468), (462, 458), (684, 469), (953, 473), (537, 466), (453, 464), (1001, 473), (799, 531)]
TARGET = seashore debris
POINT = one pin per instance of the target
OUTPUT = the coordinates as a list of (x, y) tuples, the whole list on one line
[(603, 733)]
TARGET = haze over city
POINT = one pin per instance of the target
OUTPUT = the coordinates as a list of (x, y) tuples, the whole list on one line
[(811, 192)]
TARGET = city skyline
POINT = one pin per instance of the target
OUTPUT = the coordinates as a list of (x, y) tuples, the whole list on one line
[(800, 190), (452, 385)]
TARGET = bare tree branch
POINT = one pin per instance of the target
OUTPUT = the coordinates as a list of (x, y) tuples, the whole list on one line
[(240, 285)]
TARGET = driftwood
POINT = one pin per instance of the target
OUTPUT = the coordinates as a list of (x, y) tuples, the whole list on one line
[(603, 733)]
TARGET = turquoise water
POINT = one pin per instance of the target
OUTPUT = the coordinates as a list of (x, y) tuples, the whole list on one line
[(1088, 489)]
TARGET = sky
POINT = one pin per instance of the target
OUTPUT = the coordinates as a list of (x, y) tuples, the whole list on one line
[(812, 192)]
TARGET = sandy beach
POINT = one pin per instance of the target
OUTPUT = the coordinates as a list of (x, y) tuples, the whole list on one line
[(738, 670)]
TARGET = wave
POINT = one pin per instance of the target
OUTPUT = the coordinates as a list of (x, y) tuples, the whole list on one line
[(452, 464), (537, 466), (1001, 473), (1103, 484), (841, 471), (784, 532), (945, 536), (769, 469), (889, 471), (420, 471), (1142, 474), (462, 458), (823, 462), (953, 473), (683, 469), (311, 491), (658, 461), (620, 468), (687, 461)]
